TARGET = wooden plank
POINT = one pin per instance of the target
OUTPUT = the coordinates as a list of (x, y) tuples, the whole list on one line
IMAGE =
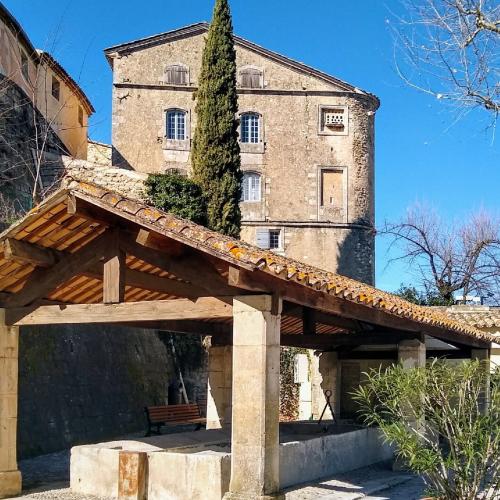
[(28, 253), (42, 281), (125, 312)]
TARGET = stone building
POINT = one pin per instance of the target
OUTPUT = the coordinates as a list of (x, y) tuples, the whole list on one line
[(307, 143), (43, 114)]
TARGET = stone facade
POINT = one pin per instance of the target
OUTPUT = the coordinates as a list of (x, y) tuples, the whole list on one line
[(316, 183)]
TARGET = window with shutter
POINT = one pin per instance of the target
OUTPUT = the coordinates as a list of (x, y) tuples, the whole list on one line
[(176, 74), (251, 78), (262, 237)]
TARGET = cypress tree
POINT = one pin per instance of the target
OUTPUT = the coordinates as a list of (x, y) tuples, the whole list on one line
[(216, 152)]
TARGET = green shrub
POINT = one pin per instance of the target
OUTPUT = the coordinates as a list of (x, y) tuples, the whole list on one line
[(433, 416), (177, 195)]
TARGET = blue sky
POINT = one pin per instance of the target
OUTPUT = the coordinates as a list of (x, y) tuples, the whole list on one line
[(419, 156)]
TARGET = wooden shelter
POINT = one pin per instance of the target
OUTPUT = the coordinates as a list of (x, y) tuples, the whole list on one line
[(87, 255)]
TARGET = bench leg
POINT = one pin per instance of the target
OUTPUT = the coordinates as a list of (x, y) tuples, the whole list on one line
[(198, 427)]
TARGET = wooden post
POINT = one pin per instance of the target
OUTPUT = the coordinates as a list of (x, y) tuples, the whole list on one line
[(114, 279), (10, 477)]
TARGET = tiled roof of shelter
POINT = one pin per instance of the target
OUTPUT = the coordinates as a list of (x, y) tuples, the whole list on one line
[(223, 247), (475, 316)]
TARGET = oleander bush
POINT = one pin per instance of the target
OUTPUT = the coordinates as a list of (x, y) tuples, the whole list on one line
[(433, 416)]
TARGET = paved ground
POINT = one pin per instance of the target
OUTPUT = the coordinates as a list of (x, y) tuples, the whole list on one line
[(47, 478)]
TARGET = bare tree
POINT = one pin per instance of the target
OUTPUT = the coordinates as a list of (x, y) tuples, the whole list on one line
[(449, 258), (451, 49)]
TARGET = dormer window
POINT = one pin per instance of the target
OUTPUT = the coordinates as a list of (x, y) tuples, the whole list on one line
[(251, 78), (176, 74)]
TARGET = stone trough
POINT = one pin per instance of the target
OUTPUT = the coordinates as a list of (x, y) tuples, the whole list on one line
[(197, 465)]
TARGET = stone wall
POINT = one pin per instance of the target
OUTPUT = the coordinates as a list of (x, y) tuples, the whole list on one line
[(18, 141), (125, 182), (85, 384)]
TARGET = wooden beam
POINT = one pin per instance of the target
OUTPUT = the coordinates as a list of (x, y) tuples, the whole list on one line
[(194, 327), (294, 292), (308, 321), (113, 284), (125, 312), (190, 268), (341, 339), (42, 281), (28, 253), (290, 309)]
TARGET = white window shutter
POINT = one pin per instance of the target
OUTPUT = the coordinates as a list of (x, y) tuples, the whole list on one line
[(263, 238)]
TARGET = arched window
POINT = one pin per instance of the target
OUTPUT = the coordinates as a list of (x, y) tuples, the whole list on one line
[(251, 187), (250, 128), (251, 78), (176, 124), (176, 74)]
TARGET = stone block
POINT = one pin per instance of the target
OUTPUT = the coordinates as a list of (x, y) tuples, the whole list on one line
[(199, 475), (10, 484)]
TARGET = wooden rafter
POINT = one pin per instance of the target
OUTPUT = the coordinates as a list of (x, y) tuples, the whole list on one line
[(42, 281)]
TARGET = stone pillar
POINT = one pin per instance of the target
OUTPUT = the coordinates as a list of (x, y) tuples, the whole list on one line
[(10, 477), (220, 359), (483, 355), (411, 353), (325, 377), (255, 420)]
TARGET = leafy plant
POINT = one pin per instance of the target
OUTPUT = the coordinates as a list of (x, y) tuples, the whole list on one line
[(178, 195), (216, 152), (433, 416)]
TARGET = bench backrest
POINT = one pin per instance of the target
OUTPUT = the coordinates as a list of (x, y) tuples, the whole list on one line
[(173, 413)]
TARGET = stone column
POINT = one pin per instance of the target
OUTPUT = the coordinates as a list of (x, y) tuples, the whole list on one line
[(483, 355), (10, 477), (411, 353), (255, 420), (325, 377), (220, 359)]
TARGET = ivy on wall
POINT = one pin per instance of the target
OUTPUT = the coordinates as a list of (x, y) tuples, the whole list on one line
[(289, 390)]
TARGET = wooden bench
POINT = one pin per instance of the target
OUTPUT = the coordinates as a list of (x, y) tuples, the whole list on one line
[(173, 415)]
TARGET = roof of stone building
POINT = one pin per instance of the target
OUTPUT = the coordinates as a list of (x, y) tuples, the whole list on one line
[(52, 217), (42, 56), (475, 316), (202, 27)]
